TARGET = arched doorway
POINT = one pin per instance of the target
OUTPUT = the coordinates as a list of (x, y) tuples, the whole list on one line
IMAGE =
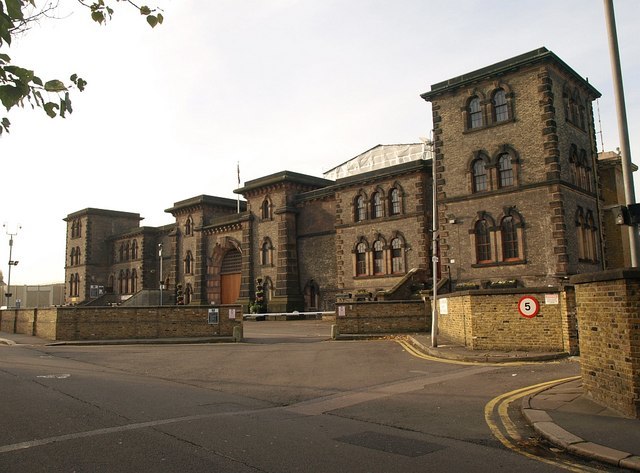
[(230, 276)]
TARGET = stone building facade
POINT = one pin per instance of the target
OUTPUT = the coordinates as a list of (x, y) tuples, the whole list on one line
[(518, 187), (519, 201)]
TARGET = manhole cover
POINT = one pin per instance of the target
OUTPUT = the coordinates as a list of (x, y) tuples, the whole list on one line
[(391, 444)]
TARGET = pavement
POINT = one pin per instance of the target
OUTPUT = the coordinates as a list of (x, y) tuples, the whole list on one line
[(562, 414)]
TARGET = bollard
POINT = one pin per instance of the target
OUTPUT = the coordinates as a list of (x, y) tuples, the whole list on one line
[(237, 333), (334, 332)]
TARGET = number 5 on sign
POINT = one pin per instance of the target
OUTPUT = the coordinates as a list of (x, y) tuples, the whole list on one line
[(528, 306)]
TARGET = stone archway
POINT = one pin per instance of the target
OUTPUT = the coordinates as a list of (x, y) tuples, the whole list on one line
[(224, 273)]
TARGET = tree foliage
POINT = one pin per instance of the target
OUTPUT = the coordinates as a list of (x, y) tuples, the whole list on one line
[(20, 86)]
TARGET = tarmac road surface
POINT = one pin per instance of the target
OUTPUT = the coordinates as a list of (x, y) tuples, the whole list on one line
[(288, 399)]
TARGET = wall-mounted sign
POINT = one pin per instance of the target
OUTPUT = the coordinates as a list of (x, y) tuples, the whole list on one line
[(551, 299), (213, 316), (232, 314), (444, 306), (528, 306)]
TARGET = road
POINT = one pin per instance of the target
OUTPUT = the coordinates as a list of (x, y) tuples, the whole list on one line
[(288, 399)]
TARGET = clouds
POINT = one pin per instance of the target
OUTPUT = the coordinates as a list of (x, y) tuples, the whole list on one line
[(278, 84)]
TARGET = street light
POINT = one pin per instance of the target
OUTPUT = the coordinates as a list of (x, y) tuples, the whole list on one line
[(8, 294), (160, 279)]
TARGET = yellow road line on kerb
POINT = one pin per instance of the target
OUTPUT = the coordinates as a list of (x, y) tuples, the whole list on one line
[(418, 354), (502, 402)]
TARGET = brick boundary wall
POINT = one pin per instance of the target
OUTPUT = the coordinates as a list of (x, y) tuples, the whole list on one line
[(383, 317), (608, 306), (114, 323), (490, 320)]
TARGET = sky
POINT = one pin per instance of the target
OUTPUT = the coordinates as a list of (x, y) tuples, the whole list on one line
[(298, 85)]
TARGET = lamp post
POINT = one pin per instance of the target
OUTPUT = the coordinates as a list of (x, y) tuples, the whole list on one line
[(8, 294), (623, 129), (160, 279)]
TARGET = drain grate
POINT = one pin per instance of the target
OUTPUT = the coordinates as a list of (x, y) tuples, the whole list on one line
[(391, 444)]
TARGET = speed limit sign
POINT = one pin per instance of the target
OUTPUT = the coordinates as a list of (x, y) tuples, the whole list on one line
[(528, 306)]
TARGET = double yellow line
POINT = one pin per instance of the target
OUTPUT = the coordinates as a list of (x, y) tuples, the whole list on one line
[(418, 354), (500, 404)]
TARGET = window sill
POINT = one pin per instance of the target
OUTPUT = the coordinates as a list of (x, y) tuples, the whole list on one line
[(487, 126), (499, 263), (588, 261), (379, 276)]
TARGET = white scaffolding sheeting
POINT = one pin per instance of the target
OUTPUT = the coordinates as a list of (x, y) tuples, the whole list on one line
[(380, 157)]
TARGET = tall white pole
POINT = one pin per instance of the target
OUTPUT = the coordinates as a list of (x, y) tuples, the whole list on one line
[(434, 242), (160, 277), (629, 191), (11, 263)]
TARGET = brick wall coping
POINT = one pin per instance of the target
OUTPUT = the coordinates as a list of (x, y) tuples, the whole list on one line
[(608, 275), (495, 292), (129, 307), (413, 301)]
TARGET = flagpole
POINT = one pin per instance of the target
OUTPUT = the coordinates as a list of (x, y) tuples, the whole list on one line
[(238, 196)]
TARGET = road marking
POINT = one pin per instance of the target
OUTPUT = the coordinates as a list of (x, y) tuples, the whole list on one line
[(338, 401), (418, 354), (120, 428), (502, 402), (311, 407)]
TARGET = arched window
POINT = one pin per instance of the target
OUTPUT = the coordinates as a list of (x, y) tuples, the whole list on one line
[(509, 234), (394, 202), (573, 167), (266, 252), (500, 106), (479, 175), (361, 259), (121, 282), (397, 256), (360, 209), (77, 255), (267, 287), (188, 294), (126, 281), (584, 171), (188, 226), (72, 257), (505, 170), (266, 209), (483, 241), (134, 281), (76, 229), (72, 281), (188, 263), (134, 249), (121, 253), (76, 291), (126, 251), (580, 233), (475, 113), (592, 253), (376, 205), (378, 257), (575, 109)]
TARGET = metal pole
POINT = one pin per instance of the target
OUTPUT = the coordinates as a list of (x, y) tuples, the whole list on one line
[(160, 278), (434, 242), (11, 262), (623, 130), (9, 276)]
